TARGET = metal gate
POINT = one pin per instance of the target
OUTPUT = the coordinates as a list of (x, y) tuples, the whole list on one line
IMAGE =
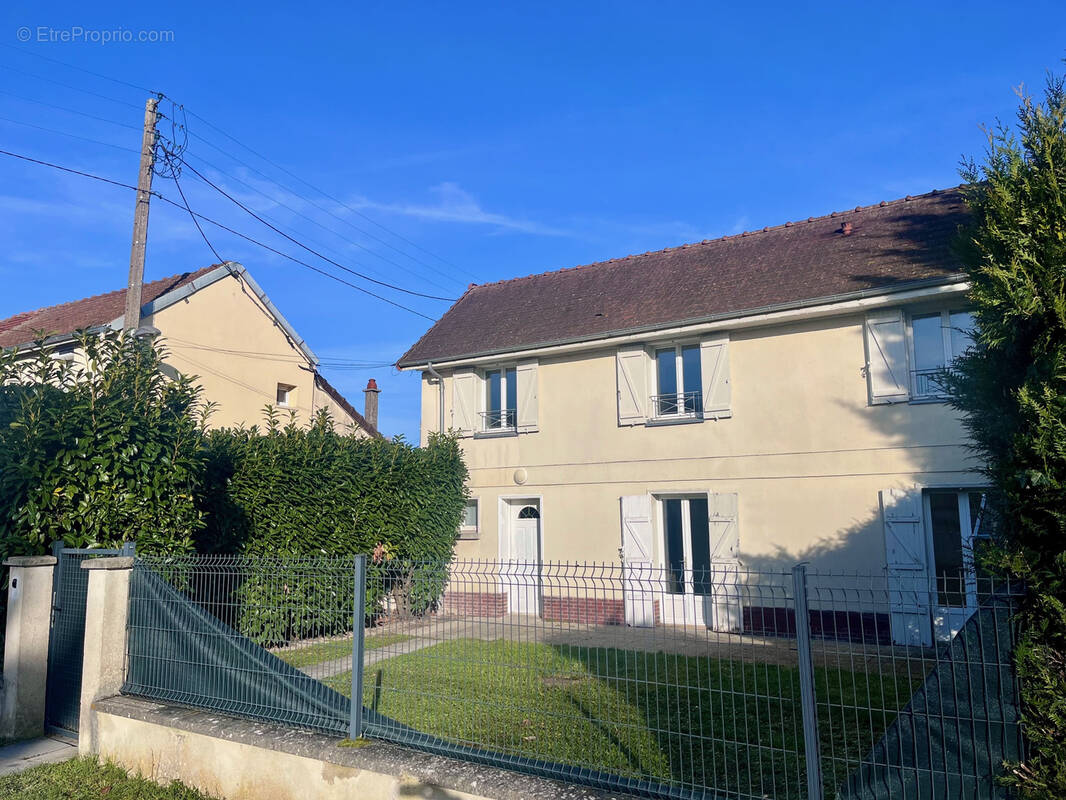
[(66, 639)]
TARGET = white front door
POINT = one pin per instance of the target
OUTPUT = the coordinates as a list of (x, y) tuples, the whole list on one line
[(953, 523), (520, 557)]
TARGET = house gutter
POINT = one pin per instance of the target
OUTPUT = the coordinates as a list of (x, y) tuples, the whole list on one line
[(815, 308), (440, 388)]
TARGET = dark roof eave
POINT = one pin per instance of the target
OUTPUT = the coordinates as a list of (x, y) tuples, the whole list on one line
[(413, 363)]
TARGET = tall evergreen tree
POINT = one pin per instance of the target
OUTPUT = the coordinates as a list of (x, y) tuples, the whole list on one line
[(1011, 388)]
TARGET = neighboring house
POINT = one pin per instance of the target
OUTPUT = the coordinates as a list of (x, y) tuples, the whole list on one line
[(743, 403), (218, 324)]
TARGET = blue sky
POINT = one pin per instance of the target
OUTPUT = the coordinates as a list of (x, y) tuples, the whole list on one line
[(500, 139)]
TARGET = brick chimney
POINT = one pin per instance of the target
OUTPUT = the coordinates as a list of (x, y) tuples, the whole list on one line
[(371, 407)]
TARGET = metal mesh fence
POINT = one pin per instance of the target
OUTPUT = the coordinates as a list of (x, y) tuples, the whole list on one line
[(660, 682)]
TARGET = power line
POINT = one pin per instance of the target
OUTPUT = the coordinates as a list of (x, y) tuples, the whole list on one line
[(70, 110), (295, 260), (79, 69), (68, 135), (225, 228), (302, 215), (300, 244), (70, 170), (68, 86), (334, 199), (324, 210), (195, 221)]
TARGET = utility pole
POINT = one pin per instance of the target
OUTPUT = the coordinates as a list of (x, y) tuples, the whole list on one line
[(140, 217)]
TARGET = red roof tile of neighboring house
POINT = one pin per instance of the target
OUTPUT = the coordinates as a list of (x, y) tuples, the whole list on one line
[(90, 312), (886, 245), (342, 401)]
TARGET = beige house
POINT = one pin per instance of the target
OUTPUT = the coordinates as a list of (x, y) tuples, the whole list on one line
[(745, 403), (217, 324)]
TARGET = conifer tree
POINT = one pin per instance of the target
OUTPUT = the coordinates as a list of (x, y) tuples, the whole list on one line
[(1011, 389)]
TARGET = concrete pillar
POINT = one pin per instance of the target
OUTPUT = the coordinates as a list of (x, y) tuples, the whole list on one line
[(29, 618), (106, 612)]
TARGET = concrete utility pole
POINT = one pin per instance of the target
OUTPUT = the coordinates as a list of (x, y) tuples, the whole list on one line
[(140, 217)]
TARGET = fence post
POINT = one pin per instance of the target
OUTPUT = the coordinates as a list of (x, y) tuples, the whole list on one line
[(355, 723), (811, 745)]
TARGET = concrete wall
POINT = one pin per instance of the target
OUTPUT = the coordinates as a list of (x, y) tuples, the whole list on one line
[(804, 450), (240, 759)]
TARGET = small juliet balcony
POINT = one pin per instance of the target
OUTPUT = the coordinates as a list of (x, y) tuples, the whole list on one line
[(677, 406), (502, 422)]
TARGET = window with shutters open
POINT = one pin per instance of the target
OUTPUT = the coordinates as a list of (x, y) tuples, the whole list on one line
[(508, 400), (936, 340)]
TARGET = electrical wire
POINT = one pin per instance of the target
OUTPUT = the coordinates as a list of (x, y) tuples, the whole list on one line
[(79, 69), (71, 111), (310, 202), (69, 135), (310, 250), (225, 228), (313, 221), (69, 86), (70, 170), (195, 221)]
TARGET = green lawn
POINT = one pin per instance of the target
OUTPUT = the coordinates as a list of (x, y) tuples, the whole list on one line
[(682, 720), (335, 649), (87, 779)]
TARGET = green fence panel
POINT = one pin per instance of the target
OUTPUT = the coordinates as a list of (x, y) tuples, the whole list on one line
[(961, 725)]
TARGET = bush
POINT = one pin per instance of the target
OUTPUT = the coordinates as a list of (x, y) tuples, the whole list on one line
[(97, 452), (292, 491)]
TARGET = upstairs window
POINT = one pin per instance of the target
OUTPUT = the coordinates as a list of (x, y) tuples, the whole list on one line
[(285, 395), (501, 400), (679, 382), (936, 341)]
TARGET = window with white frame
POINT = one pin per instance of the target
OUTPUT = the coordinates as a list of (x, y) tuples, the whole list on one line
[(936, 340), (285, 394), (469, 528), (501, 400), (678, 382)]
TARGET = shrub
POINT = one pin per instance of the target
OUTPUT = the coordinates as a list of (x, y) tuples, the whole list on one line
[(98, 451)]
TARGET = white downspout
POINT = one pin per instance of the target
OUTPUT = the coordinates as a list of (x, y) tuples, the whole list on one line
[(440, 386)]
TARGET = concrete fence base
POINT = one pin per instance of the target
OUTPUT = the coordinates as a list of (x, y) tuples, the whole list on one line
[(240, 759)]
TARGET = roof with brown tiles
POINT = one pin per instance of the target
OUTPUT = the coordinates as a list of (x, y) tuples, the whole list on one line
[(342, 401), (89, 312), (883, 246)]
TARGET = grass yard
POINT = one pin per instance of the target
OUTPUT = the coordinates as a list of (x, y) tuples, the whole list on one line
[(87, 779), (335, 649), (681, 720)]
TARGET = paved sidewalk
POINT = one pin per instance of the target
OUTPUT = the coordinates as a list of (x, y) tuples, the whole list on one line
[(31, 752)]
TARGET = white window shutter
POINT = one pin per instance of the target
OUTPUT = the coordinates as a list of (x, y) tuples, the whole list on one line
[(638, 584), (887, 370), (723, 612), (714, 366), (526, 380), (632, 369), (909, 587), (724, 530), (465, 385)]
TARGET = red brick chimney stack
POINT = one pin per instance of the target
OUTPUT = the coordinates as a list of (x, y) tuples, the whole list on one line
[(371, 406)]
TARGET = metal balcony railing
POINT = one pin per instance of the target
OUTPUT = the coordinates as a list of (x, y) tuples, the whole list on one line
[(678, 404), (505, 419), (927, 383)]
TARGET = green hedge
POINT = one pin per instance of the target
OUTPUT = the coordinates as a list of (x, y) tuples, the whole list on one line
[(115, 450)]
